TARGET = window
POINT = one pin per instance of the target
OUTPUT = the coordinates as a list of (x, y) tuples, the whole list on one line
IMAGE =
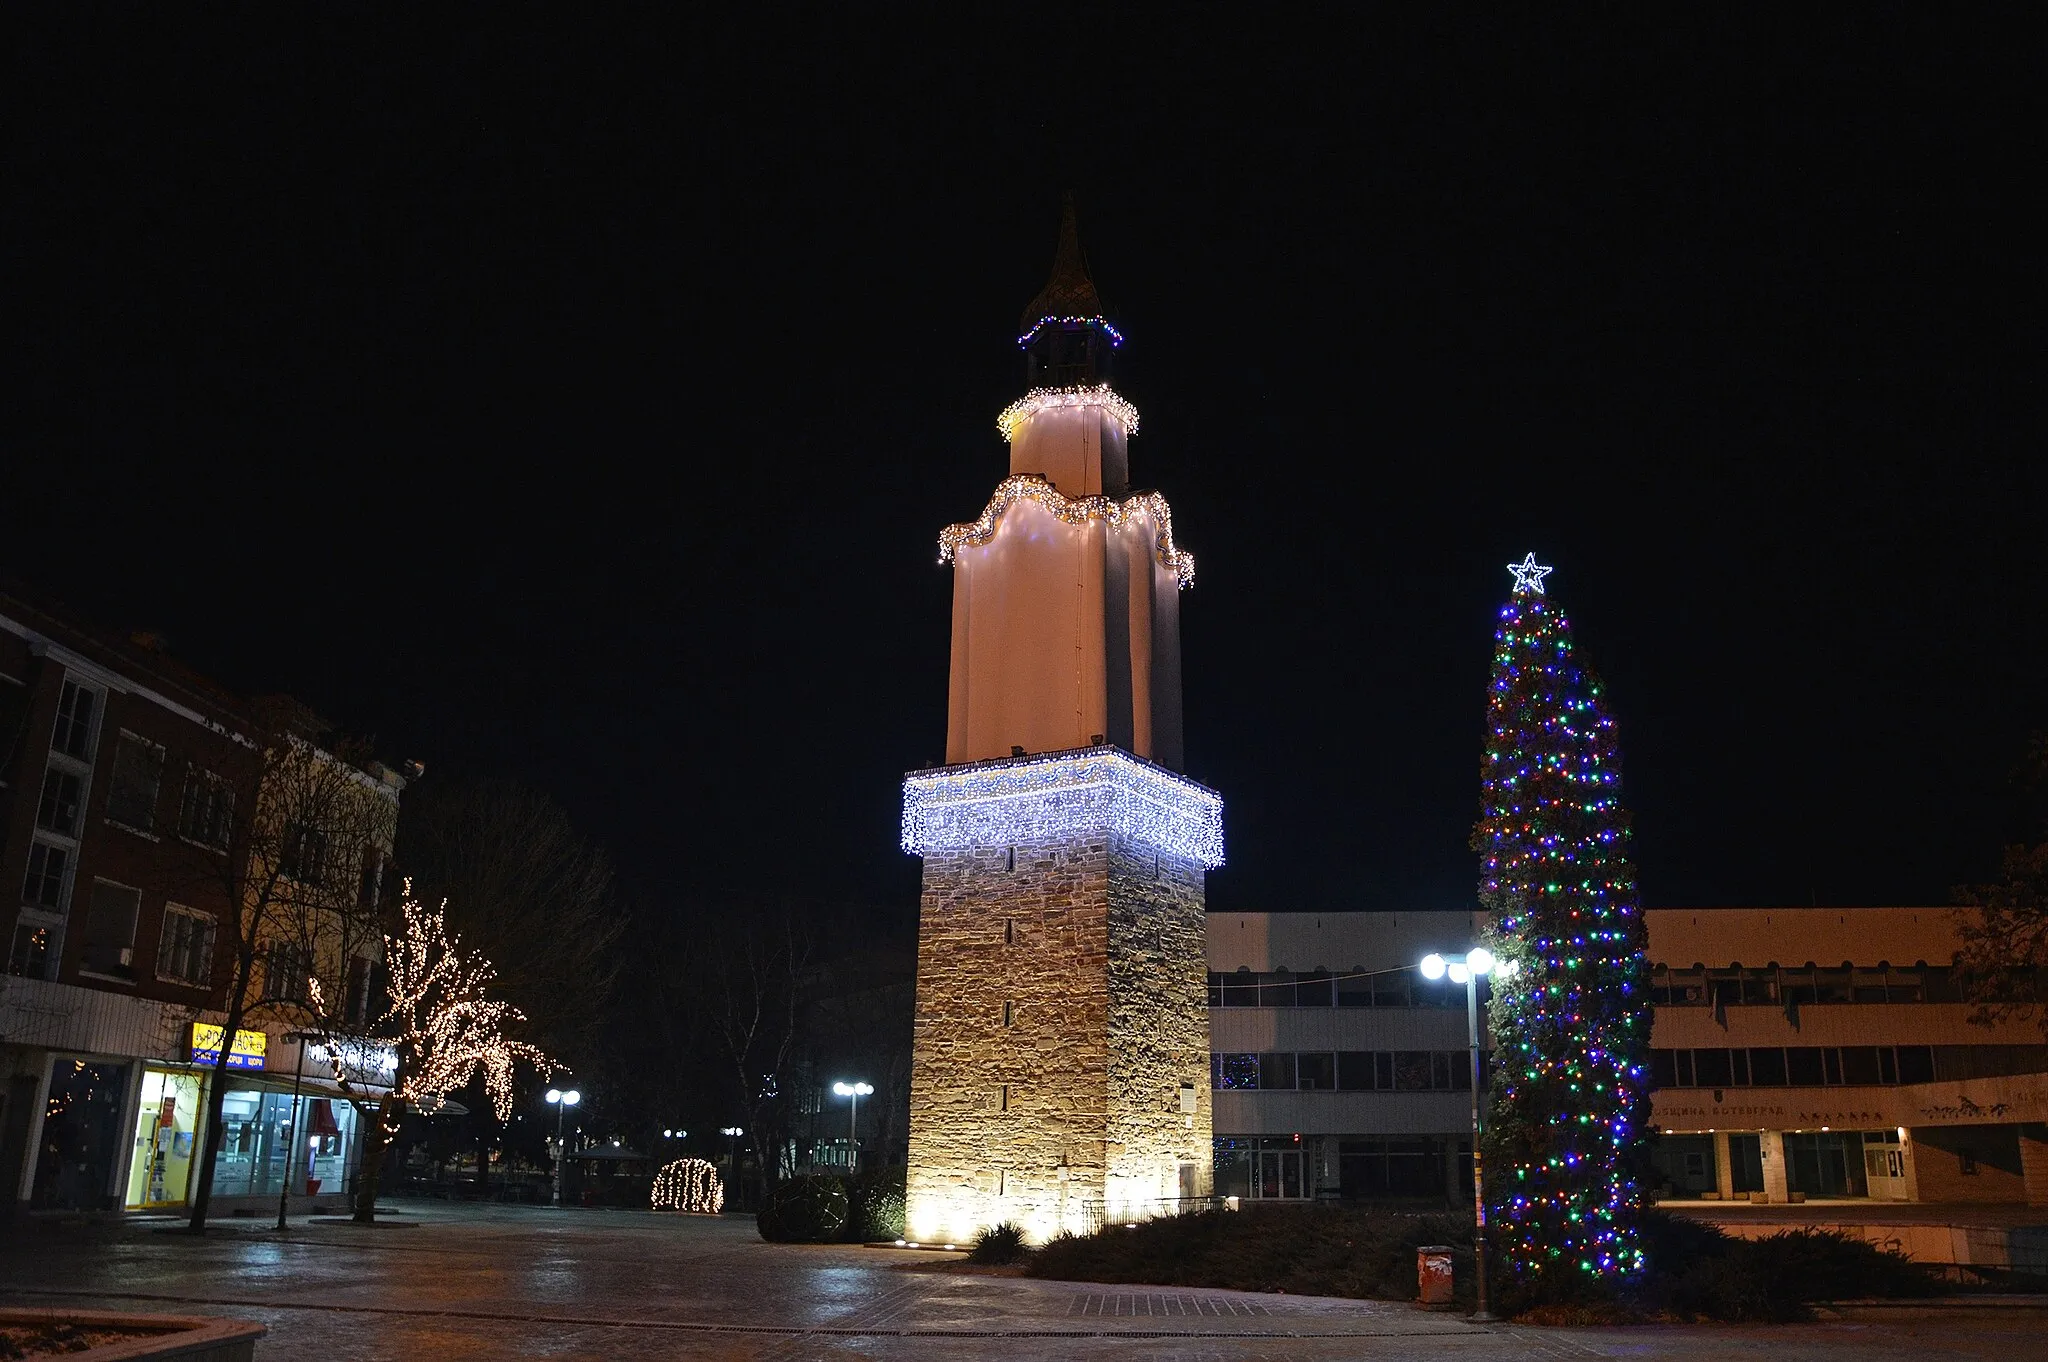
[(1009, 1013), (285, 968), (1314, 989), (1767, 1067), (58, 811), (44, 887), (1354, 1070), (30, 954), (138, 772), (205, 808), (1916, 1063), (73, 736), (110, 929), (304, 854), (1276, 1069), (185, 951), (365, 992), (1412, 1071), (1803, 1068), (1390, 989), (1234, 1072), (1316, 1072)]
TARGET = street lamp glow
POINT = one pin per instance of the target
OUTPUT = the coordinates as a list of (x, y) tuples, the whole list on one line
[(731, 1131), (1468, 969), (854, 1091), (561, 1101)]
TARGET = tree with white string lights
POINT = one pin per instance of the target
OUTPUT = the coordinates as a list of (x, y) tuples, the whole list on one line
[(441, 1029)]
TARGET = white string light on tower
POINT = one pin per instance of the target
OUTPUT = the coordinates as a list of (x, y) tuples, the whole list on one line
[(1074, 511), (1099, 395)]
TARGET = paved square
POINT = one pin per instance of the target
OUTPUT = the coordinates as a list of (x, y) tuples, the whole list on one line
[(486, 1282)]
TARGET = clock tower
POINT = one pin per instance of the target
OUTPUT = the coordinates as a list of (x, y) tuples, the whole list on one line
[(1060, 1073)]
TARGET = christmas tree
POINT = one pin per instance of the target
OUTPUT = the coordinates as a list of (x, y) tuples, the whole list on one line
[(1571, 1018)]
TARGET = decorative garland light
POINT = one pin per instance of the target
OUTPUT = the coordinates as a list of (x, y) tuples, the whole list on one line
[(1013, 417), (1023, 799), (1115, 336), (1074, 511), (691, 1186)]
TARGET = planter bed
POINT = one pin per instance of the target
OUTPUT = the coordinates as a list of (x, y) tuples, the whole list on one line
[(115, 1336)]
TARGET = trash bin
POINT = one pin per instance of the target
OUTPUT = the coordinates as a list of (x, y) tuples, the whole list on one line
[(1433, 1276)]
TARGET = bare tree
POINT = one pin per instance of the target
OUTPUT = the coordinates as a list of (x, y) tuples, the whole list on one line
[(747, 997), (294, 843), (441, 1029), (2004, 926), (526, 889)]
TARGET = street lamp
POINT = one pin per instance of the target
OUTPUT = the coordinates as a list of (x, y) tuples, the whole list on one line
[(732, 1158), (561, 1102), (1466, 970), (856, 1091)]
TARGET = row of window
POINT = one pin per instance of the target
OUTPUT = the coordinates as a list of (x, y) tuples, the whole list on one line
[(1816, 1066), (184, 946), (1327, 988), (1775, 986), (1343, 1071)]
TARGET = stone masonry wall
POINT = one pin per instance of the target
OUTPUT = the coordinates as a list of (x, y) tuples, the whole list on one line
[(1157, 1152), (1007, 1121), (1061, 1005)]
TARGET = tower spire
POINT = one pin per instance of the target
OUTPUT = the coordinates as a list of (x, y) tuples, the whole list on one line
[(1069, 292)]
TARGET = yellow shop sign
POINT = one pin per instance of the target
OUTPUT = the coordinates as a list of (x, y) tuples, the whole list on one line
[(245, 1053)]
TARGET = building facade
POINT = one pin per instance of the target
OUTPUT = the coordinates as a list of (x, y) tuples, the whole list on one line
[(1060, 1047), (122, 778), (1803, 1053)]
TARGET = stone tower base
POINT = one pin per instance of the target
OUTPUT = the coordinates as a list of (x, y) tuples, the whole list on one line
[(1060, 1076)]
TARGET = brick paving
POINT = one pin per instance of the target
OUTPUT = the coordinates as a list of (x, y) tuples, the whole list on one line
[(488, 1282)]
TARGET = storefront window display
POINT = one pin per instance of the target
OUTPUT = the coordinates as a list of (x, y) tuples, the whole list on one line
[(81, 1139), (259, 1135), (166, 1124)]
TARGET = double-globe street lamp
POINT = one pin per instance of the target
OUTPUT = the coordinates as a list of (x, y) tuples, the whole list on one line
[(561, 1101), (1466, 970), (732, 1159), (856, 1091)]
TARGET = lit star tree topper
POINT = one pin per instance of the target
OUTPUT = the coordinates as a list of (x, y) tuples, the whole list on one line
[(1571, 1027), (1529, 575)]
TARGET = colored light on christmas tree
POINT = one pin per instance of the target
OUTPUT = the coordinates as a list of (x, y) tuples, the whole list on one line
[(1571, 1027)]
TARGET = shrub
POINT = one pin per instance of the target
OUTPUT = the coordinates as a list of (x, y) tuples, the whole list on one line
[(1002, 1243), (1304, 1250), (875, 1206), (803, 1211)]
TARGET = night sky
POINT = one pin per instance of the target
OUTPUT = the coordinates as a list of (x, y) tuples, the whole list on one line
[(582, 404)]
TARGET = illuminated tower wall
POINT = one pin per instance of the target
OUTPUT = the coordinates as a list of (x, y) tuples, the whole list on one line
[(1060, 1071)]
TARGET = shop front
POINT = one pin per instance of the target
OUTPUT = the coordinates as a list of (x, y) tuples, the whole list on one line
[(166, 1138)]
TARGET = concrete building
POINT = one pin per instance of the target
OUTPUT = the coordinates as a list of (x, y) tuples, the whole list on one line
[(1059, 1072), (1801, 1053), (122, 779)]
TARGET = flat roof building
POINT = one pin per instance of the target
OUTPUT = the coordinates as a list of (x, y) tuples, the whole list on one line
[(1797, 1053)]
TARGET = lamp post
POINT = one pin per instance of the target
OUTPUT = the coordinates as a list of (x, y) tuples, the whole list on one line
[(855, 1090), (732, 1155), (561, 1101), (1466, 970)]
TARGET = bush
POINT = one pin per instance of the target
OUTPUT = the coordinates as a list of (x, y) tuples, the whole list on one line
[(875, 1206), (1002, 1243), (804, 1211), (1313, 1251)]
